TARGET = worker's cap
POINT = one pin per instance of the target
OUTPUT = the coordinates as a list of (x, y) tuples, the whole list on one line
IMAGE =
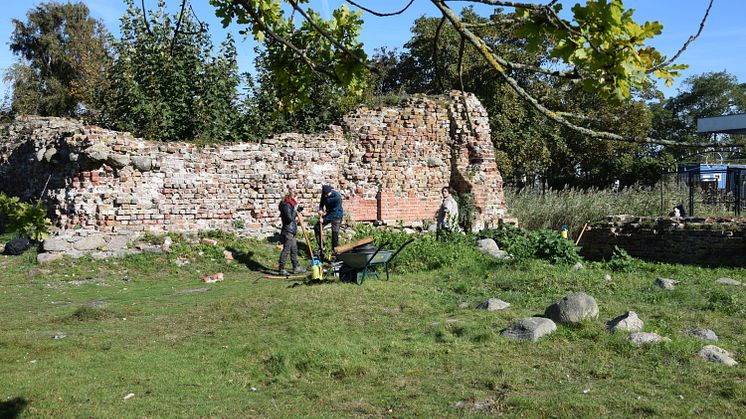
[(326, 189)]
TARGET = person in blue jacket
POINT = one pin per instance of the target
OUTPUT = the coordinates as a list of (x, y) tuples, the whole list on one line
[(330, 212)]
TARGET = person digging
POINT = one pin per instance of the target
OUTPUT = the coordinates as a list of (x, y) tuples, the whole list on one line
[(288, 208), (330, 212)]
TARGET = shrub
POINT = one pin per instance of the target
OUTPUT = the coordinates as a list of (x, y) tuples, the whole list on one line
[(621, 261), (24, 218), (524, 244), (426, 252)]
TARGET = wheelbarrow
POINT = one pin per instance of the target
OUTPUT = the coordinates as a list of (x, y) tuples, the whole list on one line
[(357, 264)]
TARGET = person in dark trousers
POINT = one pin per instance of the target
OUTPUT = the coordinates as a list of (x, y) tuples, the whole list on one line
[(330, 212), (288, 208)]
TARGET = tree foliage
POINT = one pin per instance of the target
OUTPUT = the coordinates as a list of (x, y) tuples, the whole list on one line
[(63, 63), (167, 84), (600, 48), (700, 96)]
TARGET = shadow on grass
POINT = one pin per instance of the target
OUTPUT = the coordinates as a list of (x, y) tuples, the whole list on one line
[(12, 408), (248, 260)]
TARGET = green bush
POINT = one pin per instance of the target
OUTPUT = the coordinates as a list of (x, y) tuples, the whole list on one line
[(23, 218), (426, 252), (621, 261), (525, 244)]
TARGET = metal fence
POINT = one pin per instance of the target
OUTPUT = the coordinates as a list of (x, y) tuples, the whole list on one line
[(707, 192)]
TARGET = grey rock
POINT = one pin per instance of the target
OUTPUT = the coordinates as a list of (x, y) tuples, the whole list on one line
[(142, 163), (119, 160), (714, 354), (92, 242), (50, 153), (530, 328), (573, 308), (43, 258), (489, 247), (167, 242), (729, 281), (646, 338), (628, 322), (487, 405), (578, 266), (666, 283), (57, 244), (607, 277), (117, 242), (463, 304), (58, 336), (97, 152), (434, 162), (703, 334), (494, 304)]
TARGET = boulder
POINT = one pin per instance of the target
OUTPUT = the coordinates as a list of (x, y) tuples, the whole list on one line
[(666, 283), (645, 338), (117, 242), (577, 266), (607, 277), (714, 354), (97, 152), (494, 304), (43, 258), (529, 328), (628, 322), (729, 281), (573, 308), (703, 334), (489, 247), (57, 244), (92, 242), (119, 160), (142, 163)]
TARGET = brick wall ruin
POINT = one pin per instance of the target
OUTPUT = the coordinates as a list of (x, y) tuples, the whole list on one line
[(388, 163), (705, 241)]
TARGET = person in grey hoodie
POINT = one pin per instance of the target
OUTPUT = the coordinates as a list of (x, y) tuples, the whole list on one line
[(288, 208)]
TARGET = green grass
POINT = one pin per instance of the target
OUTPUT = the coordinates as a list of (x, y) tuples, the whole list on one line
[(264, 348)]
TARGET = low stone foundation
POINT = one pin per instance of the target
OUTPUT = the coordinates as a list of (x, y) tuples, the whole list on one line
[(705, 241)]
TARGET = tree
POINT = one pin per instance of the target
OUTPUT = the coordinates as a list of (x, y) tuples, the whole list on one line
[(700, 96), (602, 49), (165, 82), (63, 63)]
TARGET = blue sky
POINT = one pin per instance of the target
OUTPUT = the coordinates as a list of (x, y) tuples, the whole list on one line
[(720, 47)]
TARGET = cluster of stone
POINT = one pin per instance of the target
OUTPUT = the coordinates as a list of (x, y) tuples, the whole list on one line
[(711, 241), (389, 165)]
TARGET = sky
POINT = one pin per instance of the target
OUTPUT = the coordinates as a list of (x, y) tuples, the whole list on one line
[(719, 47)]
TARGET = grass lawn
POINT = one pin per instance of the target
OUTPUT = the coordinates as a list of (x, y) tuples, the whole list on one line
[(264, 348)]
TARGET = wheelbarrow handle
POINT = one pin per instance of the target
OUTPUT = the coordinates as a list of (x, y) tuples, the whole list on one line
[(370, 259), (400, 249)]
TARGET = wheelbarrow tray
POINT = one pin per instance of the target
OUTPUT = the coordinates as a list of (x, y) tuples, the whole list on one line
[(360, 260)]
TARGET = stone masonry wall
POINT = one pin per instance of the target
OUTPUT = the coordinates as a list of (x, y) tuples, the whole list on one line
[(389, 164), (711, 241)]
